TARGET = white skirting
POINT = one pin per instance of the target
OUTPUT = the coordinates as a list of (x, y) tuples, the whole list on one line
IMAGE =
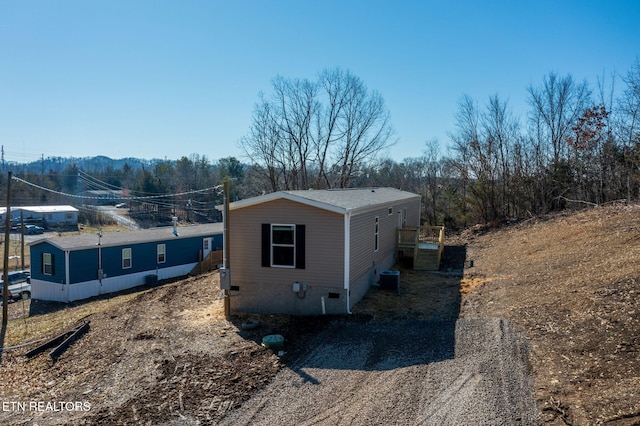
[(45, 290)]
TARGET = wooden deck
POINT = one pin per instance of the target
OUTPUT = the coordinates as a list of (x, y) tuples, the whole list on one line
[(423, 244)]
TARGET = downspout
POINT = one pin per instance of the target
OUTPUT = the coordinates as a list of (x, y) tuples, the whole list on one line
[(347, 258), (67, 277)]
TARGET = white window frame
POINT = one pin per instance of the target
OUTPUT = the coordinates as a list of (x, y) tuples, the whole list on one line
[(162, 253), (47, 264), (376, 234), (274, 245), (127, 255)]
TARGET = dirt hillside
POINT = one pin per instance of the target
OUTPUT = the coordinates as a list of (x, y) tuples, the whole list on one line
[(166, 355), (571, 283)]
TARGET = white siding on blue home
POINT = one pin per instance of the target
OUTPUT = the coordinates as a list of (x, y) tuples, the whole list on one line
[(75, 267)]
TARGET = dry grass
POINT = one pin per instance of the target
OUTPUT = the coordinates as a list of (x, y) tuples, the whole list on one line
[(15, 251), (469, 285), (569, 281), (26, 327), (421, 295)]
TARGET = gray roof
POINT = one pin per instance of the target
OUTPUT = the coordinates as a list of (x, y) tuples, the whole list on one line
[(109, 239), (337, 200)]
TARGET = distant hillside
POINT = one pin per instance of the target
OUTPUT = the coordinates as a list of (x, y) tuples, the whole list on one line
[(59, 164)]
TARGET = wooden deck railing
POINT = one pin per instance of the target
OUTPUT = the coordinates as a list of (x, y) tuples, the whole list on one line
[(408, 236), (432, 234), (410, 239), (209, 263)]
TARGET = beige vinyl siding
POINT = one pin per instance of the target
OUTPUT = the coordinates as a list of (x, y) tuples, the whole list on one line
[(364, 258), (413, 212), (269, 289), (324, 247)]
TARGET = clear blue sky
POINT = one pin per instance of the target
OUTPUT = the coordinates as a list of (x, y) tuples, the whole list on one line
[(166, 79)]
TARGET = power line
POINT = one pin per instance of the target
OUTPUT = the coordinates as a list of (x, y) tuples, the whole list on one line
[(146, 197), (90, 179)]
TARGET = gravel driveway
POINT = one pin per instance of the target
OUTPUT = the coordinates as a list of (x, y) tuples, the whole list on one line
[(463, 372)]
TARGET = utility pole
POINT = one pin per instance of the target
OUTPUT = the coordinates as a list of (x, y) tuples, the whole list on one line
[(22, 239), (5, 275), (226, 250)]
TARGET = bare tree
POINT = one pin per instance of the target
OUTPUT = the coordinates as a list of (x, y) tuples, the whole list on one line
[(587, 144), (485, 146), (556, 106), (262, 144), (296, 105), (432, 170), (365, 129), (629, 130), (500, 131), (334, 85), (317, 132), (459, 163), (474, 159)]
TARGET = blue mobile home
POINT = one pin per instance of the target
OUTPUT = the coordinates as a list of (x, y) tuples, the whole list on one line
[(77, 267)]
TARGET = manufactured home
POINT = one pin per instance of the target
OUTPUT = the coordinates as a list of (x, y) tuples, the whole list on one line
[(76, 267), (46, 216), (316, 251)]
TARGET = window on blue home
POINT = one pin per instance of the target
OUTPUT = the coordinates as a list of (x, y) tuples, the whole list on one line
[(376, 234), (162, 250), (47, 264), (283, 245), (126, 258)]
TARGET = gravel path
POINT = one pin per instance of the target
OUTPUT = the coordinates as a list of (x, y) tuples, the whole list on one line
[(464, 372)]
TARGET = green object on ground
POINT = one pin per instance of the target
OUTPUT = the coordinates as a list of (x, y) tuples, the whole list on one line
[(273, 341)]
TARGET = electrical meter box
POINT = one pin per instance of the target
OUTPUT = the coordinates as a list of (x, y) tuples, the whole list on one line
[(225, 279)]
